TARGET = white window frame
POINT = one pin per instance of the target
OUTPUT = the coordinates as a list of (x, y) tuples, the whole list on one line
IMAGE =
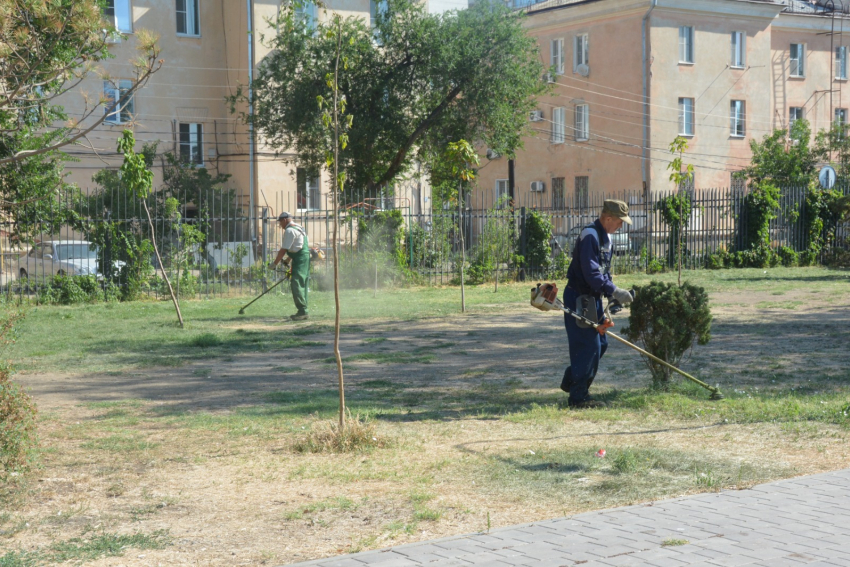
[(557, 55), (840, 116), (559, 119), (312, 190), (795, 113), (582, 122), (192, 17), (738, 118), (308, 12), (581, 45), (191, 136), (112, 91), (502, 189), (122, 15), (739, 49), (797, 64), (686, 116), (686, 45), (841, 63)]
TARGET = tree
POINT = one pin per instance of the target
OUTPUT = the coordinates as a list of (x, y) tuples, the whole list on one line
[(138, 179), (680, 178), (460, 157), (786, 157), (414, 82), (47, 48)]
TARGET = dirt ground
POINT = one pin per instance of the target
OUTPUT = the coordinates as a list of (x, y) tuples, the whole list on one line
[(231, 499)]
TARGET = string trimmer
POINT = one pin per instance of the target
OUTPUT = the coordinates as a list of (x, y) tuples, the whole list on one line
[(285, 277), (545, 298)]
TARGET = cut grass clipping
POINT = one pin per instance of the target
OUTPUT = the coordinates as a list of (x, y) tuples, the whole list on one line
[(359, 434)]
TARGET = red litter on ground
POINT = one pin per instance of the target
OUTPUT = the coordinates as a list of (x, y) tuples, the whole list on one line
[(600, 453)]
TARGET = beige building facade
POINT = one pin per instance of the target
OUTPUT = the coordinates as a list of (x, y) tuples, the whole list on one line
[(629, 76), (209, 48)]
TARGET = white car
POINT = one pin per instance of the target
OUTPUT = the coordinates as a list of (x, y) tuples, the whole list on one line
[(60, 258)]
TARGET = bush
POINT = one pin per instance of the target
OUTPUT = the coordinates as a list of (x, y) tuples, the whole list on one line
[(538, 235), (70, 290), (666, 320), (787, 256), (18, 435)]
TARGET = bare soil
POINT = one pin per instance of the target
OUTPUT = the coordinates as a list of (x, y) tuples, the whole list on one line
[(227, 497)]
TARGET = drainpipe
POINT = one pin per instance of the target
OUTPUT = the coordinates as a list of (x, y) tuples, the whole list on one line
[(249, 4), (643, 162)]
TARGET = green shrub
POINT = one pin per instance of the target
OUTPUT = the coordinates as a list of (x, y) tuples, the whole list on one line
[(666, 320), (787, 256), (18, 434), (70, 290), (654, 266), (538, 235)]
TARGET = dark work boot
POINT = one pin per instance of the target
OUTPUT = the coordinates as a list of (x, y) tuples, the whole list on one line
[(567, 382)]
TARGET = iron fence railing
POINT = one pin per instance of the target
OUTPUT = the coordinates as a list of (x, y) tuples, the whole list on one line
[(213, 247)]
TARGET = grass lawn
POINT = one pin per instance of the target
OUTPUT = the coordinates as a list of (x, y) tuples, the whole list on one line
[(184, 442)]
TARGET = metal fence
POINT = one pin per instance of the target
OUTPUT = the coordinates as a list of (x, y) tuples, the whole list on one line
[(231, 248)]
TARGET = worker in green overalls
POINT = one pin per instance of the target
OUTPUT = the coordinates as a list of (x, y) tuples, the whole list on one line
[(296, 249)]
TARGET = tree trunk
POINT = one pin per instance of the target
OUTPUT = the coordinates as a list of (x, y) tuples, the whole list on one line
[(462, 247), (335, 200), (161, 265)]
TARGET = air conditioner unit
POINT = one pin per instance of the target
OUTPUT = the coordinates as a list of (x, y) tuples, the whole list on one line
[(583, 70), (538, 186), (493, 154), (548, 78), (535, 115)]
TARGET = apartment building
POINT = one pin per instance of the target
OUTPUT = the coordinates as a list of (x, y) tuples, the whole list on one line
[(209, 48), (628, 76)]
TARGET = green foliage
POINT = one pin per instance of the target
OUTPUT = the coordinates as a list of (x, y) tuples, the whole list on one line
[(71, 290), (667, 320), (492, 250), (538, 235), (675, 210), (413, 82), (760, 206), (781, 163), (788, 257), (824, 210), (135, 171), (383, 232), (18, 434)]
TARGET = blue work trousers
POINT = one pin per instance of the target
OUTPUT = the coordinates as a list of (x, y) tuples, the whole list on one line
[(586, 349)]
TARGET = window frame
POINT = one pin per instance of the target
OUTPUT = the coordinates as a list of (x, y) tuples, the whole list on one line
[(686, 45), (582, 56), (683, 113), (309, 12), (114, 93), (312, 191), (114, 16), (840, 63), (582, 122), (501, 193), (198, 142), (739, 49), (581, 194), (738, 118), (800, 61), (795, 113), (559, 125), (559, 193), (557, 62), (192, 11)]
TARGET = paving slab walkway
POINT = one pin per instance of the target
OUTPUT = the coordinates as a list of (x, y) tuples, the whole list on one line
[(800, 521)]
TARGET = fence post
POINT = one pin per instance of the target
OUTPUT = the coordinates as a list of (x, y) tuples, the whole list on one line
[(523, 243), (264, 252)]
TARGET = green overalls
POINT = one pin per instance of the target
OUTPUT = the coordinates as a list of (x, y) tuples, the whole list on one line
[(300, 273)]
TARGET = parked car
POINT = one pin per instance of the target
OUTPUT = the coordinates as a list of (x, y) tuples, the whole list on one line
[(60, 258), (622, 243)]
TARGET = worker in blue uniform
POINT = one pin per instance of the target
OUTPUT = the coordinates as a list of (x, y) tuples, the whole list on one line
[(588, 279)]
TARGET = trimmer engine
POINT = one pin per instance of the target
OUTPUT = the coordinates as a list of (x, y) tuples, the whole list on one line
[(545, 297)]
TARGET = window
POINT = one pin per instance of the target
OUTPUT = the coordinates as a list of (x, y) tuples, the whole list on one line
[(558, 56), (582, 126), (308, 190), (308, 14), (580, 55), (739, 49), (686, 116), (841, 62), (798, 60), (686, 44), (118, 13), (841, 121), (376, 8), (795, 113), (558, 198), (188, 18), (502, 191), (192, 143), (558, 124), (737, 114), (118, 111), (581, 197)]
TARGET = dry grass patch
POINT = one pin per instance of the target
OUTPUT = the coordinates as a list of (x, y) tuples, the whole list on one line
[(359, 434)]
